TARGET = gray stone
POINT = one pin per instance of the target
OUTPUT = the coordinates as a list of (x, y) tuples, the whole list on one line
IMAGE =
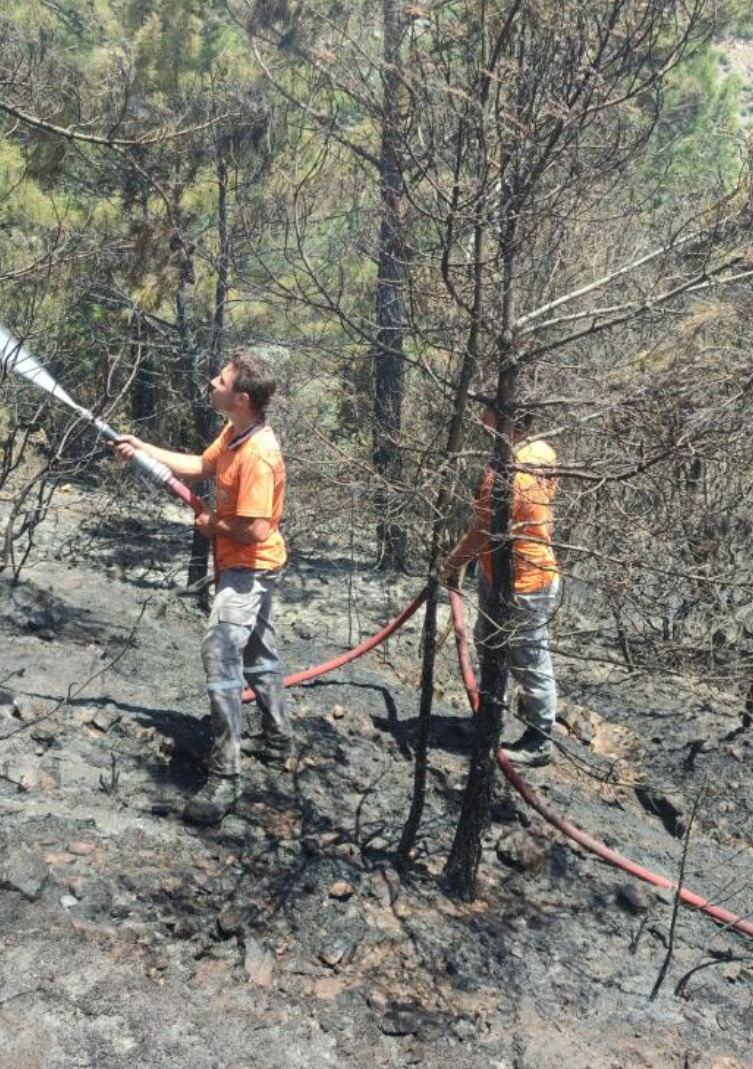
[(24, 871), (632, 899), (105, 719), (401, 1023), (229, 922), (43, 734), (405, 1020), (23, 772), (336, 952), (258, 963), (7, 710), (521, 851), (28, 709), (659, 804), (464, 1028)]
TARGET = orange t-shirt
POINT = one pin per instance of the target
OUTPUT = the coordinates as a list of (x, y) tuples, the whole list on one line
[(534, 563), (250, 481)]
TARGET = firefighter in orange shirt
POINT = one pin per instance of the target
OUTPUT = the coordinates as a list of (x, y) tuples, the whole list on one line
[(535, 585), (239, 642)]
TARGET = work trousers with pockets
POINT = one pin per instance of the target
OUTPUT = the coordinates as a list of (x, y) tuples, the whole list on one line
[(527, 637), (240, 648)]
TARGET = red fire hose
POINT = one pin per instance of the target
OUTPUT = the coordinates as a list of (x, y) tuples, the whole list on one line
[(532, 797), (357, 651), (565, 826), (183, 493)]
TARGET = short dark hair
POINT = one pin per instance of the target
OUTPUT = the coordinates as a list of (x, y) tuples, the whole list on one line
[(523, 414), (254, 376)]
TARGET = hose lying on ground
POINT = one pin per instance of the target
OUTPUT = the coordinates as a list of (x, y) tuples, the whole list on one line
[(162, 475), (595, 846), (532, 797), (357, 651)]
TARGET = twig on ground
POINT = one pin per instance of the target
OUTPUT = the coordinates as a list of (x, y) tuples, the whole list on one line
[(111, 786), (723, 959), (677, 899)]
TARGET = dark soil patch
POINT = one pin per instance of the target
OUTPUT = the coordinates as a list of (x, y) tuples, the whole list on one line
[(285, 938)]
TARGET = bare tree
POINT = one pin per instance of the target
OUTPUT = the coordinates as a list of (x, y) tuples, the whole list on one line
[(388, 342), (575, 95)]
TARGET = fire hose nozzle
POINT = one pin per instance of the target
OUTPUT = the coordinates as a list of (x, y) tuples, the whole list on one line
[(155, 469)]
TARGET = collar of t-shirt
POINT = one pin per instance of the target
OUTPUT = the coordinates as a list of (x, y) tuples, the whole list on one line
[(237, 442)]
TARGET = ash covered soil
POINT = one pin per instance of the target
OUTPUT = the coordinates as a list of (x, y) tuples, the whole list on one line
[(284, 938)]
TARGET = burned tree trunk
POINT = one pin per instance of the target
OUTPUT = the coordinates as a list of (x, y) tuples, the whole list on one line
[(461, 870), (388, 343)]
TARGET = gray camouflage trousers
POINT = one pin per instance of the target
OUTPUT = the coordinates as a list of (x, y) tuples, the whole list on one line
[(240, 649), (530, 661)]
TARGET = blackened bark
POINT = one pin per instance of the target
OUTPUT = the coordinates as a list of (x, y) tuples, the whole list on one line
[(410, 828), (202, 415), (454, 442), (388, 342), (461, 870), (199, 372), (144, 387), (198, 565), (223, 266)]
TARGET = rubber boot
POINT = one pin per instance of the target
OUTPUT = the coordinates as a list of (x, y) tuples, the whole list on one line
[(226, 710), (269, 735), (533, 749), (214, 801)]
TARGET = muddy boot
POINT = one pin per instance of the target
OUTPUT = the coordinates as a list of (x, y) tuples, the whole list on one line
[(226, 712), (532, 750), (214, 801), (269, 735), (274, 754)]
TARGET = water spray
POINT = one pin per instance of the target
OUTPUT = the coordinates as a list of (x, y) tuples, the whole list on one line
[(14, 357)]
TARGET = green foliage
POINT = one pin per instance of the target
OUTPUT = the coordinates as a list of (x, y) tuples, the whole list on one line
[(117, 251), (698, 136)]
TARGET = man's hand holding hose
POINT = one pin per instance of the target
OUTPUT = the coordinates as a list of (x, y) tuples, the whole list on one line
[(185, 465), (164, 464)]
